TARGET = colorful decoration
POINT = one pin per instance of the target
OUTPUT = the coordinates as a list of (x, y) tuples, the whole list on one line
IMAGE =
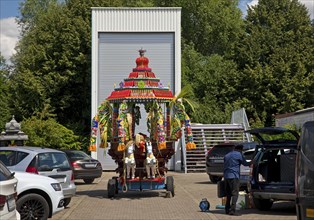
[(143, 87), (101, 121), (141, 84), (92, 146), (161, 141), (179, 119)]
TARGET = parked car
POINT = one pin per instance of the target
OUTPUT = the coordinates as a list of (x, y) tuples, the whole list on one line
[(305, 173), (85, 167), (215, 161), (8, 193), (39, 197), (44, 161), (273, 167)]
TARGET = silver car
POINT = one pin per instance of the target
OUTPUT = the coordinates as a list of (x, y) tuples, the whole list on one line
[(43, 161)]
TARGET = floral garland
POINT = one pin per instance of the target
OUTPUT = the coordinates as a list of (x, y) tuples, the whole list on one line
[(179, 119), (161, 130), (92, 146), (190, 145), (102, 121)]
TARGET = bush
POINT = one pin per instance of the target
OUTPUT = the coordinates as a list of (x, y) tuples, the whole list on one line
[(49, 133)]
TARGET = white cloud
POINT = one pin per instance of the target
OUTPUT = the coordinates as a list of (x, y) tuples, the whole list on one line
[(252, 3), (9, 35)]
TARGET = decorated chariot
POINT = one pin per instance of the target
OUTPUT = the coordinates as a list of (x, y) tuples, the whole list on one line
[(141, 157)]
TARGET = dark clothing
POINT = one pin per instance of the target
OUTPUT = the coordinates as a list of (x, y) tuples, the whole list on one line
[(232, 162), (232, 191)]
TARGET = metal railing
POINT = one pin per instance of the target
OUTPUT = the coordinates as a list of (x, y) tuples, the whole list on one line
[(205, 136)]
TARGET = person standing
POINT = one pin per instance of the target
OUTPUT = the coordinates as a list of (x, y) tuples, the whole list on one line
[(232, 162)]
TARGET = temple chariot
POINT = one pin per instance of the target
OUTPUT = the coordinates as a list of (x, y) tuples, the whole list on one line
[(141, 156)]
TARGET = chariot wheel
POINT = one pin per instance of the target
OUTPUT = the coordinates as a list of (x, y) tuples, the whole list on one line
[(170, 184), (111, 188)]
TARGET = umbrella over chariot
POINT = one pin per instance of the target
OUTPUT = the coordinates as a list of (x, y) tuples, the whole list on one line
[(141, 156)]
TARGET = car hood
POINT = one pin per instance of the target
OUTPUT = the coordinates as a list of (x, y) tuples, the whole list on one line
[(286, 135)]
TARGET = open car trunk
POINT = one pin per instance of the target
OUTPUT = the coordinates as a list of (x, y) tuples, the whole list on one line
[(276, 170)]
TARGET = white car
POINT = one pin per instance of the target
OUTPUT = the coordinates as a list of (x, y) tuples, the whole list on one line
[(43, 161), (8, 186), (39, 197)]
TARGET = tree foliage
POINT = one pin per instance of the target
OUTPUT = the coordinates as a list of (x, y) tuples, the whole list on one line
[(276, 59), (212, 79), (212, 26), (49, 133), (5, 110)]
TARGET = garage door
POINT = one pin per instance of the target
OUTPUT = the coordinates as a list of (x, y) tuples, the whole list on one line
[(116, 59)]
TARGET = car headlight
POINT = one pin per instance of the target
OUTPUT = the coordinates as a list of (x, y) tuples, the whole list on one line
[(56, 186)]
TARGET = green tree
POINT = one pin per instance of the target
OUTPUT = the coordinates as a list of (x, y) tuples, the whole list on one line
[(212, 26), (276, 58), (212, 79), (49, 133), (5, 110)]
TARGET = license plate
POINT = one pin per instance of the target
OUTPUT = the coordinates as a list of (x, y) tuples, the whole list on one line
[(11, 204), (90, 165), (218, 161), (310, 213)]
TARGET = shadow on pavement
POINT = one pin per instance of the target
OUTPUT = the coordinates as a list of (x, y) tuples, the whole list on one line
[(133, 195)]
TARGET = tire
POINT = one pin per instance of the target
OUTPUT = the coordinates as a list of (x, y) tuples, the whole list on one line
[(88, 181), (263, 204), (117, 182), (32, 206), (66, 202), (215, 179), (170, 184), (111, 188)]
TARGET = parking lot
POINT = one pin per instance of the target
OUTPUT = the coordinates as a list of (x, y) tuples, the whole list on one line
[(91, 202)]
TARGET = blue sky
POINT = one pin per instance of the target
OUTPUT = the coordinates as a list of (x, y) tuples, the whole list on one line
[(9, 9)]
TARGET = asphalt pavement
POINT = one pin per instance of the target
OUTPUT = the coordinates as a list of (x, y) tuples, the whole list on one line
[(91, 202)]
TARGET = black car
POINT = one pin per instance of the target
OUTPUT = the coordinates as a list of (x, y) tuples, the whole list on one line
[(273, 167), (84, 166), (305, 173), (215, 160)]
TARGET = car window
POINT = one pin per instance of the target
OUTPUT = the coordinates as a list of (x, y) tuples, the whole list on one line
[(220, 150), (77, 155), (11, 158), (53, 160), (5, 173), (248, 155)]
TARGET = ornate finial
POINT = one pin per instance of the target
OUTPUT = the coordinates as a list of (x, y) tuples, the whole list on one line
[(142, 51)]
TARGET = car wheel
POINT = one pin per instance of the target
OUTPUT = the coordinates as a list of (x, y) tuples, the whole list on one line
[(66, 202), (111, 188), (88, 181), (170, 184), (32, 206), (215, 179), (263, 204)]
